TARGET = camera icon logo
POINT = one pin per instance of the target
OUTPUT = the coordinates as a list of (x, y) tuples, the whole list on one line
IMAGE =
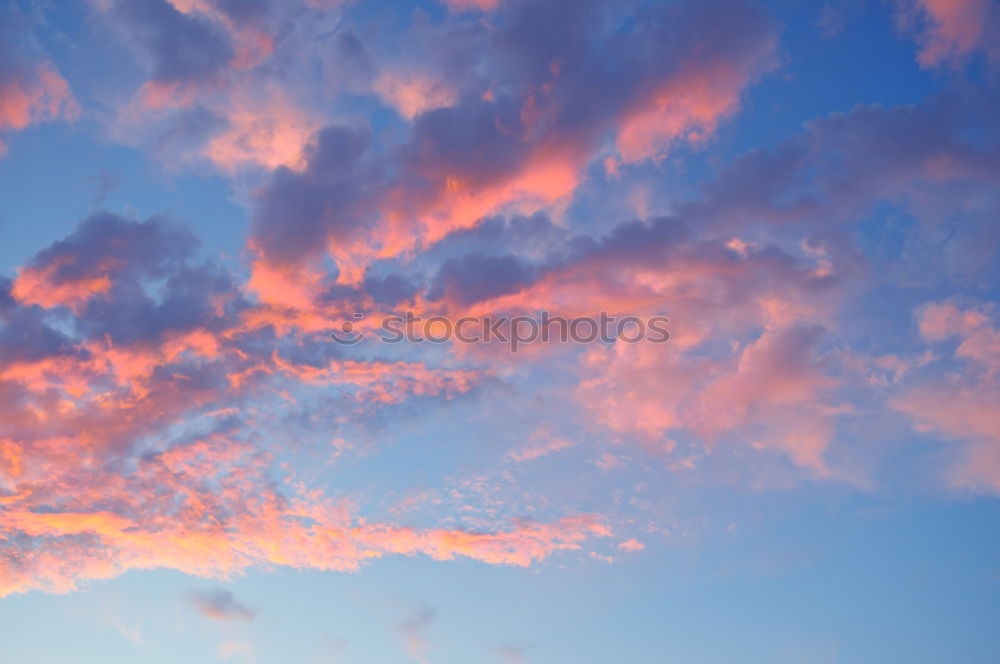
[(347, 335)]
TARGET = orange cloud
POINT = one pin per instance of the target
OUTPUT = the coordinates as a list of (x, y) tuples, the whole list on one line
[(208, 508), (65, 523), (42, 287), (293, 287), (202, 507)]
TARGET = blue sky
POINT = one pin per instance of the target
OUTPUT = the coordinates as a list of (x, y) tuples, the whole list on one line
[(195, 193)]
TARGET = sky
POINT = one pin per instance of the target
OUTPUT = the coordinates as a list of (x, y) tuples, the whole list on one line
[(212, 451)]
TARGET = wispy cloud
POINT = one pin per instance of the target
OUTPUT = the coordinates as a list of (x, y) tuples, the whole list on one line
[(220, 604), (413, 631)]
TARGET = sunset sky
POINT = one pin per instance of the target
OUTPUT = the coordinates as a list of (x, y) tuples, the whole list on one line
[(194, 194)]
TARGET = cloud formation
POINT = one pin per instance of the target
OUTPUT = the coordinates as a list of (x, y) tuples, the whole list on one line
[(32, 90), (960, 405), (949, 32), (162, 407)]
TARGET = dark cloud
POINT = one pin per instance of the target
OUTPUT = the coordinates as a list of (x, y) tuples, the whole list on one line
[(7, 301), (844, 162), (298, 212), (155, 284), (389, 289), (535, 238), (187, 300), (244, 11), (478, 141), (491, 259), (25, 337), (350, 63), (180, 48), (476, 277), (633, 242), (108, 245)]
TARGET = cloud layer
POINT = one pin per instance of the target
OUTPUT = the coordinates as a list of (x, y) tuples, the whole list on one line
[(164, 407)]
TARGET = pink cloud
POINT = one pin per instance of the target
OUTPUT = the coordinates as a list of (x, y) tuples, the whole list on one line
[(465, 5), (962, 405), (773, 393), (631, 545), (264, 130), (687, 108), (411, 95), (608, 461), (980, 342), (261, 118), (950, 31), (542, 443), (34, 95)]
